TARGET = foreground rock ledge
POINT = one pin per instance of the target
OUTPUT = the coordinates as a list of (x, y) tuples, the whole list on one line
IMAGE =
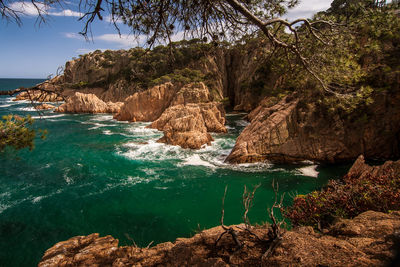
[(367, 240)]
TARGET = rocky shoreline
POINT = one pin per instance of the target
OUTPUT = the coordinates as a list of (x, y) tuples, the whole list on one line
[(370, 239)]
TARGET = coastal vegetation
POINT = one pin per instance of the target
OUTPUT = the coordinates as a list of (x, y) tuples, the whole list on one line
[(333, 78)]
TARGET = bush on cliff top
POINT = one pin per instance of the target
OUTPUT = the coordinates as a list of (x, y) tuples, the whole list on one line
[(345, 199)]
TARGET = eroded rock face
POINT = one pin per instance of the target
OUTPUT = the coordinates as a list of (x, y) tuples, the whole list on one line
[(190, 118), (263, 138), (147, 105), (90, 250), (289, 132), (355, 242), (38, 96), (361, 169), (367, 240), (44, 107), (188, 125), (87, 103)]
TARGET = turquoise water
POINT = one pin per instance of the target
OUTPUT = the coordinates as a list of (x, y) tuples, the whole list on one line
[(94, 174)]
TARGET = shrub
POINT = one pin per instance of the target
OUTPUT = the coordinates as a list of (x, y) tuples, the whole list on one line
[(345, 199)]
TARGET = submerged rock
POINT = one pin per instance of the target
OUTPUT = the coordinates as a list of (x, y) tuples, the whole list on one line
[(367, 240), (44, 107), (147, 105), (87, 103)]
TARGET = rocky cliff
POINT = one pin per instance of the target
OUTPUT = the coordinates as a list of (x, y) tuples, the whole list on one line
[(369, 239), (116, 75), (289, 131), (147, 105), (88, 103)]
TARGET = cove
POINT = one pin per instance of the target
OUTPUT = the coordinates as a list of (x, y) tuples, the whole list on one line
[(94, 174)]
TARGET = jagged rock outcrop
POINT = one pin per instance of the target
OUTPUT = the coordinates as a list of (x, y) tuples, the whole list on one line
[(287, 132), (190, 118), (87, 103), (367, 240), (360, 169), (264, 138), (189, 125), (44, 107), (38, 96), (147, 105)]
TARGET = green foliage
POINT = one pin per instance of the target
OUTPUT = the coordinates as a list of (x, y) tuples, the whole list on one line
[(345, 199), (79, 85), (176, 62), (16, 132), (183, 76)]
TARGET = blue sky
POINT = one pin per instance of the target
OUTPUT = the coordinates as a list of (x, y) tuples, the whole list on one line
[(35, 51)]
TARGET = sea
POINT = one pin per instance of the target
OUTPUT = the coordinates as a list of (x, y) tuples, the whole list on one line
[(93, 174)]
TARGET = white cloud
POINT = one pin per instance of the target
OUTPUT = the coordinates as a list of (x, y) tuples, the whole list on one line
[(30, 9), (73, 35), (66, 13), (307, 8), (82, 51), (122, 41)]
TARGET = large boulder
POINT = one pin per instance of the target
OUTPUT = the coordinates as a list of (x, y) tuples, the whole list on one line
[(87, 103), (289, 132), (190, 118), (188, 125), (44, 107), (147, 105)]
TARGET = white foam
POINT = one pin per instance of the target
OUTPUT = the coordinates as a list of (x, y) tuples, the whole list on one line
[(242, 123), (3, 207), (152, 151), (48, 116), (197, 161), (107, 132), (37, 199), (97, 125), (27, 109), (102, 118), (5, 105), (309, 171), (139, 129)]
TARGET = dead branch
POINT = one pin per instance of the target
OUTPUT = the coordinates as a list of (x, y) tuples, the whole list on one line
[(247, 199), (227, 230), (274, 233)]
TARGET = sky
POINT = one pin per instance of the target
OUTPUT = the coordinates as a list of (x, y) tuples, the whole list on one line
[(35, 50)]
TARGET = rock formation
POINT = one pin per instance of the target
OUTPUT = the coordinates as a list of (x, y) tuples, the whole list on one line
[(188, 125), (360, 169), (38, 96), (147, 105), (87, 103), (367, 240), (190, 118), (44, 107), (268, 135), (287, 132)]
